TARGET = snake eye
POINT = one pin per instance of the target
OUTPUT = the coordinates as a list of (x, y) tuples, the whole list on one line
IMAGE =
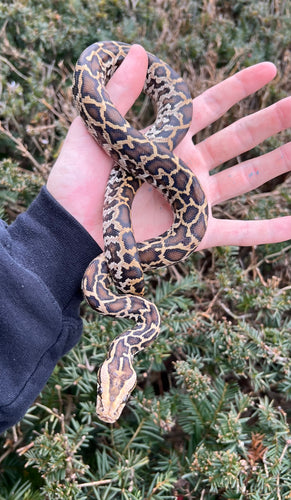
[(125, 399)]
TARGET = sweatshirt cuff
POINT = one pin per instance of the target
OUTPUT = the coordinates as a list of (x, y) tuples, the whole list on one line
[(52, 244)]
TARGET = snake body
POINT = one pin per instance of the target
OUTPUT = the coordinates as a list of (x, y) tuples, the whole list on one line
[(113, 283)]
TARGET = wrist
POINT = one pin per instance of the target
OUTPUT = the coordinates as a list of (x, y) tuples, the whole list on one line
[(54, 246)]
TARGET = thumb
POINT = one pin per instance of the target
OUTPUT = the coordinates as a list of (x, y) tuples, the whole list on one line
[(127, 82), (124, 88)]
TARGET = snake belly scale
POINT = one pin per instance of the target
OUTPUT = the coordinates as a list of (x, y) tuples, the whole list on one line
[(113, 283)]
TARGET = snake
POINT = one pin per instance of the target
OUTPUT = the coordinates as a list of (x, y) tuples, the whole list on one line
[(113, 283)]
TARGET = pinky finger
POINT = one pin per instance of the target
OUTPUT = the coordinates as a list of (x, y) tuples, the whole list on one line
[(221, 232)]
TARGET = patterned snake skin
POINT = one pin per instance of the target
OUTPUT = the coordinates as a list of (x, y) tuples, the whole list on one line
[(113, 283)]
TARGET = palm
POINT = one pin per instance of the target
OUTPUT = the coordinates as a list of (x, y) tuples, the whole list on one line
[(82, 169)]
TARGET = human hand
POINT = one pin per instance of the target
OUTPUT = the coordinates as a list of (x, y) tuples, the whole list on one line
[(232, 141), (79, 177)]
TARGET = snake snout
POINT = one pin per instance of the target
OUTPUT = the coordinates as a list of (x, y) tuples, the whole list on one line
[(116, 381)]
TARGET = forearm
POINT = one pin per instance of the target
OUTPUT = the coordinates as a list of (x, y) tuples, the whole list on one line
[(43, 255)]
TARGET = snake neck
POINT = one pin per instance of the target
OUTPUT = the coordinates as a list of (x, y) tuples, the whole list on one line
[(116, 376)]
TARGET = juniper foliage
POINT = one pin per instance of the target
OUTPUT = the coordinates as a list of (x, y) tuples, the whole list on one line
[(210, 418)]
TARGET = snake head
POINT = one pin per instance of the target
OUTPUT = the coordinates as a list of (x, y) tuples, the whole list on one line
[(116, 381)]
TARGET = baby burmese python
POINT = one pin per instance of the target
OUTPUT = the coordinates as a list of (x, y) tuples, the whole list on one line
[(138, 157)]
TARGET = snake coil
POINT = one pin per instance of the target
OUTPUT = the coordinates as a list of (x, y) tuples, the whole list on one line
[(137, 158)]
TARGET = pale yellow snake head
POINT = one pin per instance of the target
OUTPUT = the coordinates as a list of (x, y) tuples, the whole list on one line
[(116, 380)]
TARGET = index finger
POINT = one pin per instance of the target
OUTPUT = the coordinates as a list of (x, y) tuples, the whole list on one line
[(214, 102)]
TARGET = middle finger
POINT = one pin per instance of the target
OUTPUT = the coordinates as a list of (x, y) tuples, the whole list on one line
[(244, 134)]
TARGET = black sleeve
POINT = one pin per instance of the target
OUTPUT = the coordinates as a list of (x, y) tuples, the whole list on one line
[(43, 255)]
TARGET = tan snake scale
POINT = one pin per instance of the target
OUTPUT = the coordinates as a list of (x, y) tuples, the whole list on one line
[(137, 158)]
